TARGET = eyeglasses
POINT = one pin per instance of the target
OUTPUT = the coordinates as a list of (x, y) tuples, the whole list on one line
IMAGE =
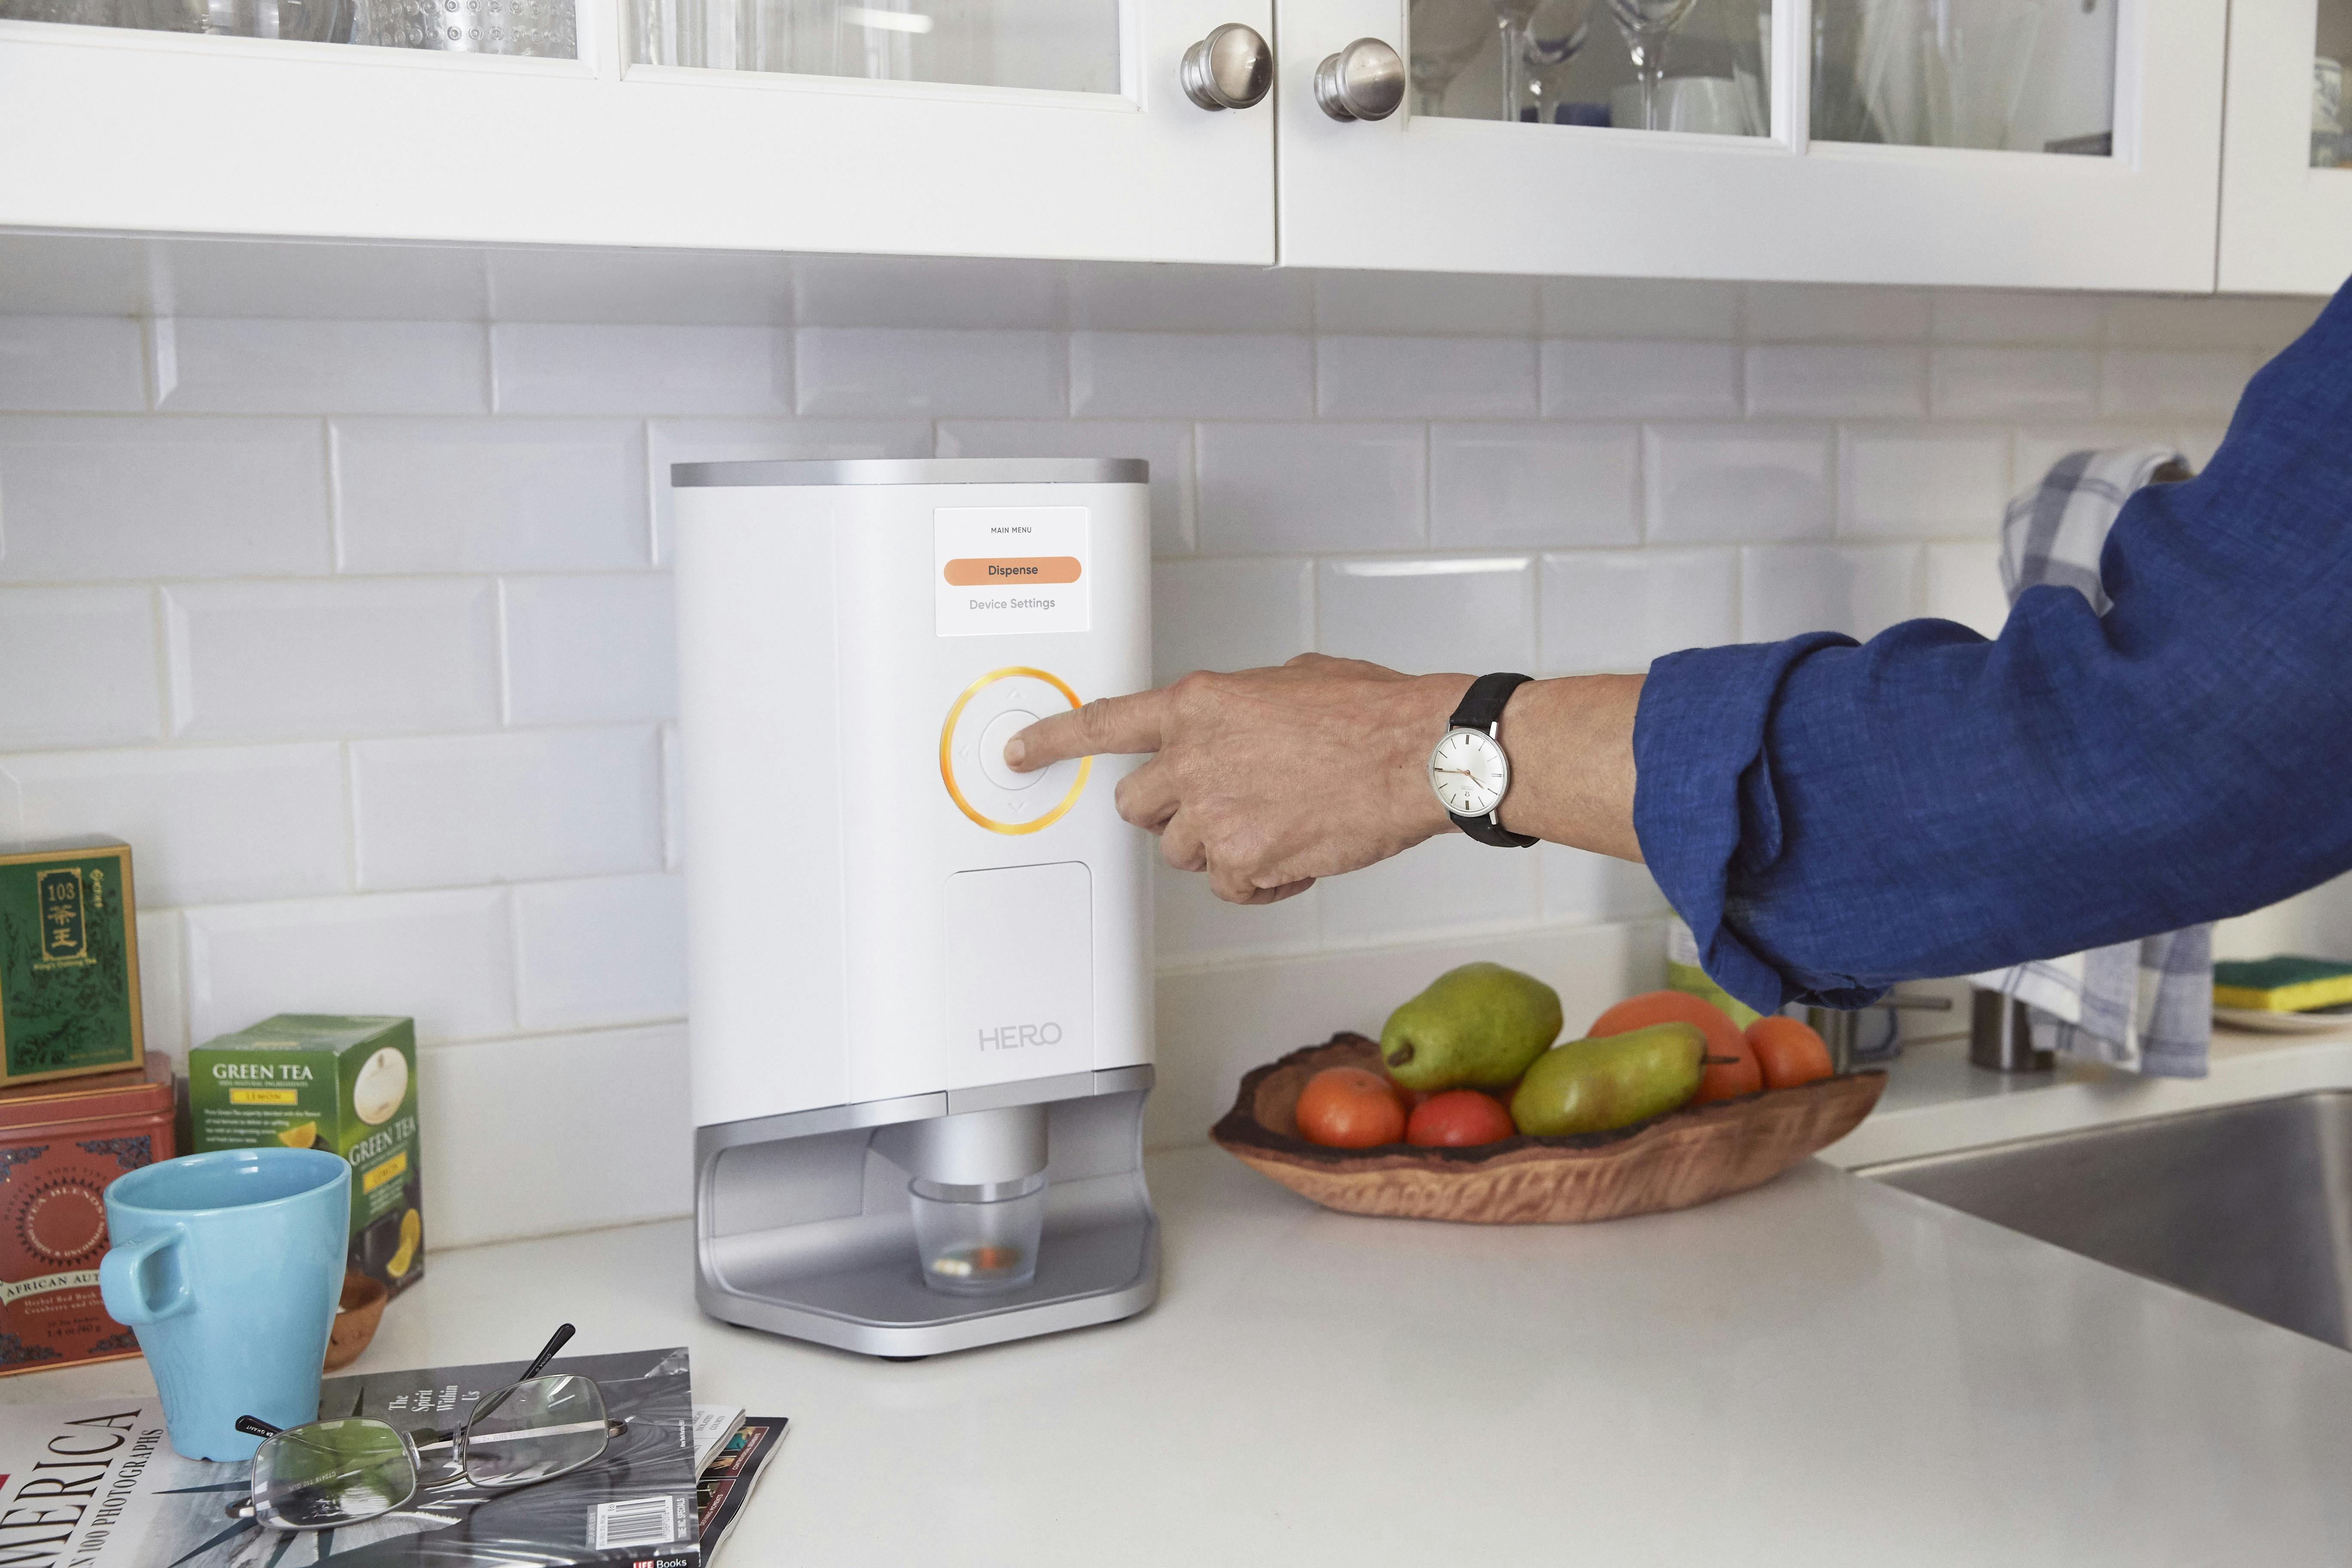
[(328, 1474)]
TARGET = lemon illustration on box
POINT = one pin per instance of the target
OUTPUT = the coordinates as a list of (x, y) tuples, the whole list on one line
[(345, 1084)]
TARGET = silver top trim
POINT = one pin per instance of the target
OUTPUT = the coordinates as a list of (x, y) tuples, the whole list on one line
[(914, 471)]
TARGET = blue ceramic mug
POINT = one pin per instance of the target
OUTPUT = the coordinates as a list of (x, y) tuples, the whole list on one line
[(229, 1265)]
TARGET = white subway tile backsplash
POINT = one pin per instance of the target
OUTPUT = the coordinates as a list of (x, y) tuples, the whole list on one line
[(1266, 488), (302, 279), (1860, 590), (1424, 302), (1472, 613), (162, 982), (1190, 298), (1406, 378), (83, 666), (78, 363), (1624, 308), (1964, 585), (925, 291), (2014, 384), (1229, 615), (600, 951), (1223, 376), (451, 495), (583, 650), (457, 810), (1916, 481), (669, 441), (269, 660), (1821, 380), (1617, 610), (207, 825), (1578, 885), (2137, 321), (607, 1091), (1190, 923), (2135, 383), (565, 368), (2016, 316), (883, 372), (445, 959), (1502, 484), (1648, 380), (118, 498), (1446, 883), (250, 365), (1806, 312), (1166, 446), (561, 283), (1705, 484)]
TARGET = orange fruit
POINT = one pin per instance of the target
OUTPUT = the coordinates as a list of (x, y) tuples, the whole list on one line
[(1348, 1108), (1457, 1117), (1789, 1051), (1723, 1079)]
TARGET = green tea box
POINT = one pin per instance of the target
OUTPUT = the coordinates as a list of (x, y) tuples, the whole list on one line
[(68, 961), (317, 1081)]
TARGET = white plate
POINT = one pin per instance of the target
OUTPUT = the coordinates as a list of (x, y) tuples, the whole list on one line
[(2281, 1023)]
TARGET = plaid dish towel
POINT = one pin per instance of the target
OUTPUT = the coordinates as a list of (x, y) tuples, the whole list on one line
[(2146, 1005)]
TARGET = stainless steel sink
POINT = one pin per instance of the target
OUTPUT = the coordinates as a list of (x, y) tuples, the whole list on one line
[(2249, 1205)]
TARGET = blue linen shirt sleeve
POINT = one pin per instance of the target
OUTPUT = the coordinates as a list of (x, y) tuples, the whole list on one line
[(1831, 817)]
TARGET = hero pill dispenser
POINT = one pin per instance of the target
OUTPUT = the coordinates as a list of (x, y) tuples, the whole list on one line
[(919, 984)]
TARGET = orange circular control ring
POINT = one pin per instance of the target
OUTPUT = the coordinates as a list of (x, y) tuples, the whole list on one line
[(1060, 808)]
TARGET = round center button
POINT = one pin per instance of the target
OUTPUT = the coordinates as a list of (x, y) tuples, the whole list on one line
[(991, 711), (1000, 729)]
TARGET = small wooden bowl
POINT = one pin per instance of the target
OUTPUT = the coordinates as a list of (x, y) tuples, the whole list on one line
[(1671, 1162), (356, 1317)]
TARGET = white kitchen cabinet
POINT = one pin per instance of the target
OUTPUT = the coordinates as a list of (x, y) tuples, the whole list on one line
[(142, 130), (2286, 170), (1775, 197)]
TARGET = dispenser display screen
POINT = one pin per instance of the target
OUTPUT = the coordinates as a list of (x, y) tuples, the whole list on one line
[(1011, 569)]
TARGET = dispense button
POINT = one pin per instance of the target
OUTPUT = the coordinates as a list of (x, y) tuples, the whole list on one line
[(1000, 729), (1011, 571), (991, 711)]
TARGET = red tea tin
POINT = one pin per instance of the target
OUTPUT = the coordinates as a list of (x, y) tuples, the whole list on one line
[(60, 1143)]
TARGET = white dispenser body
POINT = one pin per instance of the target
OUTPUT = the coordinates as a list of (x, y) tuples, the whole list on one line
[(886, 923)]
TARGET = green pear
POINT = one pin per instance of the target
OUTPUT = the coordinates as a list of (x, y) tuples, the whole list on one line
[(1610, 1081), (1477, 1026)]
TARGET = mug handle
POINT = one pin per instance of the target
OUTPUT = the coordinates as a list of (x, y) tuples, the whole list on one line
[(119, 1281)]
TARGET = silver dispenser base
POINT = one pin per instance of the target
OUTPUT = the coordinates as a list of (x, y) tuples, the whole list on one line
[(802, 1225)]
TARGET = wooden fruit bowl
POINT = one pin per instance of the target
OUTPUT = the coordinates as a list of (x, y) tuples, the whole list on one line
[(1671, 1162)]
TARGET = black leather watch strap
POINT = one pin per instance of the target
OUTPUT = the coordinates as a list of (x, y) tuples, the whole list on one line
[(1482, 708)]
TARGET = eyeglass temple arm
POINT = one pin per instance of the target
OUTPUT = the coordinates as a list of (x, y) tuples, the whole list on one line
[(539, 1364), (255, 1427)]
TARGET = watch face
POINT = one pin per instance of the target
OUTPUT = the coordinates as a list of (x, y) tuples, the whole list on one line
[(1468, 772)]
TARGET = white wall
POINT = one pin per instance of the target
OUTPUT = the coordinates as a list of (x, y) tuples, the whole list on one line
[(359, 629)]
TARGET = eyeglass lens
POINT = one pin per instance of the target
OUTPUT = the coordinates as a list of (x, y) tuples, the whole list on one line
[(332, 1473), (535, 1429)]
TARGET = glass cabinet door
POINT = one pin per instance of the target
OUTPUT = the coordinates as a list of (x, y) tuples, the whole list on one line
[(1070, 46), (546, 29), (2051, 144), (2286, 177)]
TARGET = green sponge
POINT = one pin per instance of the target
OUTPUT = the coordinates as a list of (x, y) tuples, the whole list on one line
[(2286, 984)]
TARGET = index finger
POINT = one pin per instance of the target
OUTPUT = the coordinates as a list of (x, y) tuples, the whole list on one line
[(1122, 724)]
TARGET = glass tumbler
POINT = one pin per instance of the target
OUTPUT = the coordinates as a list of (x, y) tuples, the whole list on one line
[(978, 1240)]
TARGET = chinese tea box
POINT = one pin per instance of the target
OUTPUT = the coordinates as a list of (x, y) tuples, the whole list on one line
[(69, 962)]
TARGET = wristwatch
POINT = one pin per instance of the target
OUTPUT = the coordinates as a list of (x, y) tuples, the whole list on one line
[(1467, 767)]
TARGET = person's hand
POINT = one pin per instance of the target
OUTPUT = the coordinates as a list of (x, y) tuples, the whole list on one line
[(1266, 779)]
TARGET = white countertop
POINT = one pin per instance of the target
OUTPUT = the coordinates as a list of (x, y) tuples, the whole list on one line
[(1821, 1372)]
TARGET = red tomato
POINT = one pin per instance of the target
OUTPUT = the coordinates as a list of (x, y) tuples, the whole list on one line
[(1348, 1108), (1789, 1051), (1723, 1079), (1458, 1118)]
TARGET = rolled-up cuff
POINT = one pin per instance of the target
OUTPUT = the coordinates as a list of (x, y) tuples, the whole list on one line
[(1703, 799)]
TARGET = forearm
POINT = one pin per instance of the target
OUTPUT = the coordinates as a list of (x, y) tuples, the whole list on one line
[(1570, 742)]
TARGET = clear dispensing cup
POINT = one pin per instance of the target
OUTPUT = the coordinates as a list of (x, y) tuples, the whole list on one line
[(978, 1240)]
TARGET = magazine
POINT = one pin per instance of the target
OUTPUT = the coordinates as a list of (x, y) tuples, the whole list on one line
[(730, 1477), (94, 1484)]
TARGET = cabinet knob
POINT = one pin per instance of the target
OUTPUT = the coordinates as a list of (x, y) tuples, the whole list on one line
[(1230, 68), (1363, 81)]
